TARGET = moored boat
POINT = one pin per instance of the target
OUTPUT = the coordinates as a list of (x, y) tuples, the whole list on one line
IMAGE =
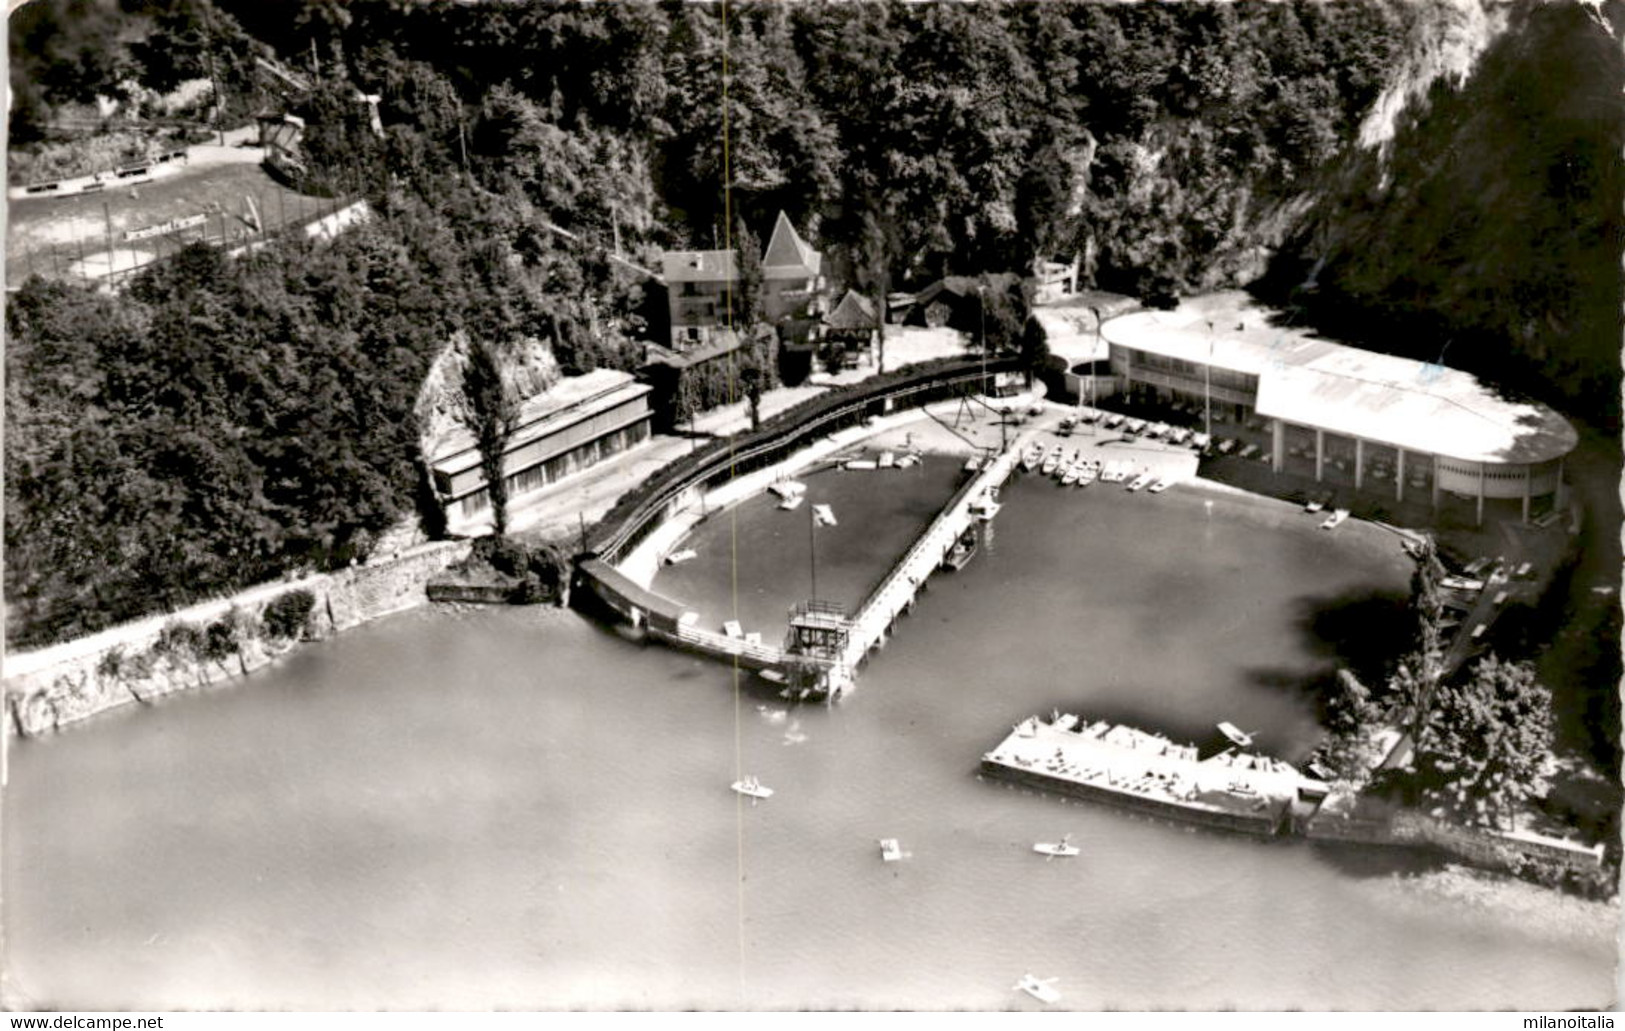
[(1335, 520), (890, 850), (962, 551), (1051, 462)]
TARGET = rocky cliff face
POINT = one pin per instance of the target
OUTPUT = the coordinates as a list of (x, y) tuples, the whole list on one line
[(530, 370), (1478, 220)]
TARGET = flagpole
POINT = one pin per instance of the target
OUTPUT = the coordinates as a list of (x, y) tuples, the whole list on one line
[(812, 550)]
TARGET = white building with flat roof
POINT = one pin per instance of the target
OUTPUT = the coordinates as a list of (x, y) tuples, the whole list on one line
[(1344, 415)]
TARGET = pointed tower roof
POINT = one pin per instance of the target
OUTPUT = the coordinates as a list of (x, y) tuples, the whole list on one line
[(788, 256)]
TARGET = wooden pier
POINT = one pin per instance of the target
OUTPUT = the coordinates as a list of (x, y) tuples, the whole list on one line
[(896, 592)]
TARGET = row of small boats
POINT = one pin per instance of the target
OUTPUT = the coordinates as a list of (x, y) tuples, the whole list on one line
[(1076, 471)]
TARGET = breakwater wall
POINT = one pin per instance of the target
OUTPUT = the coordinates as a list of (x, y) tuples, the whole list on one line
[(1487, 849), (207, 643)]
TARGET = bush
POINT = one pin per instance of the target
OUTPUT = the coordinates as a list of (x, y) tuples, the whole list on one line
[(287, 614), (179, 640), (111, 663), (223, 637)]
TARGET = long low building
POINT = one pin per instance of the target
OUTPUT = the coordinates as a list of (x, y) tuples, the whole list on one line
[(1343, 415), (579, 422)]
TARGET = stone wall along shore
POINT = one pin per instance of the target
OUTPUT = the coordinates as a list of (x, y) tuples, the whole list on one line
[(65, 683)]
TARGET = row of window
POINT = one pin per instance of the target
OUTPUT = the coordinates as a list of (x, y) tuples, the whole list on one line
[(562, 465), (1518, 472), (1195, 372)]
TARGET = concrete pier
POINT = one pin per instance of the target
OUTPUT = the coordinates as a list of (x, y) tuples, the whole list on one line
[(895, 595)]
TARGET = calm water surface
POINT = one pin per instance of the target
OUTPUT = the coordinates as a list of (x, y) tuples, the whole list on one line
[(516, 808)]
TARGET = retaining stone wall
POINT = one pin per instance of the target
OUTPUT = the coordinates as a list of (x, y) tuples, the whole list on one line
[(84, 682)]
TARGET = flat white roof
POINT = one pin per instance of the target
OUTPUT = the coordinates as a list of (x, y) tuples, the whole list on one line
[(1378, 397)]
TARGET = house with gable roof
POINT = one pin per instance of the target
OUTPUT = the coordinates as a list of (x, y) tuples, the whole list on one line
[(701, 285)]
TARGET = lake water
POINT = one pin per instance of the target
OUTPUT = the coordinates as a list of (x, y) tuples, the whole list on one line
[(516, 808)]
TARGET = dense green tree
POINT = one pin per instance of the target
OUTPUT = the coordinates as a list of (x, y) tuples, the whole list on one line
[(491, 412), (1485, 743)]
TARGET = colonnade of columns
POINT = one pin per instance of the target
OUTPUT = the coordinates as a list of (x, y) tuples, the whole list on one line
[(1278, 464)]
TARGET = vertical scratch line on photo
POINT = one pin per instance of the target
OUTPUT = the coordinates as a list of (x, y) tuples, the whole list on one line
[(733, 516)]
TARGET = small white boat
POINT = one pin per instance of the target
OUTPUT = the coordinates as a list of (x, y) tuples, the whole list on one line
[(962, 551), (1238, 737), (1160, 485), (972, 464), (1142, 480), (1088, 475), (1070, 477), (677, 557), (773, 676), (752, 788), (1113, 421), (860, 463), (824, 514), (1038, 989), (791, 503), (1335, 520), (908, 461), (1313, 505), (985, 507), (890, 850), (887, 460), (788, 488), (733, 629), (1063, 848), (1051, 462), (1031, 457), (1201, 440)]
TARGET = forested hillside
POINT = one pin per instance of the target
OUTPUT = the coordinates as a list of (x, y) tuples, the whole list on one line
[(224, 420), (1483, 224)]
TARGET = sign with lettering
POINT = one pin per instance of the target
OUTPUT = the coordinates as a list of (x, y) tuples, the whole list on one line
[(174, 225)]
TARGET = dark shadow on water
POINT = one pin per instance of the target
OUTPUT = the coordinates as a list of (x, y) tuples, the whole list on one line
[(1374, 861), (1363, 630)]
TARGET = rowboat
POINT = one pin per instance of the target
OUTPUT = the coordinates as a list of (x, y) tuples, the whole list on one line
[(1063, 848), (752, 788), (1039, 989)]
